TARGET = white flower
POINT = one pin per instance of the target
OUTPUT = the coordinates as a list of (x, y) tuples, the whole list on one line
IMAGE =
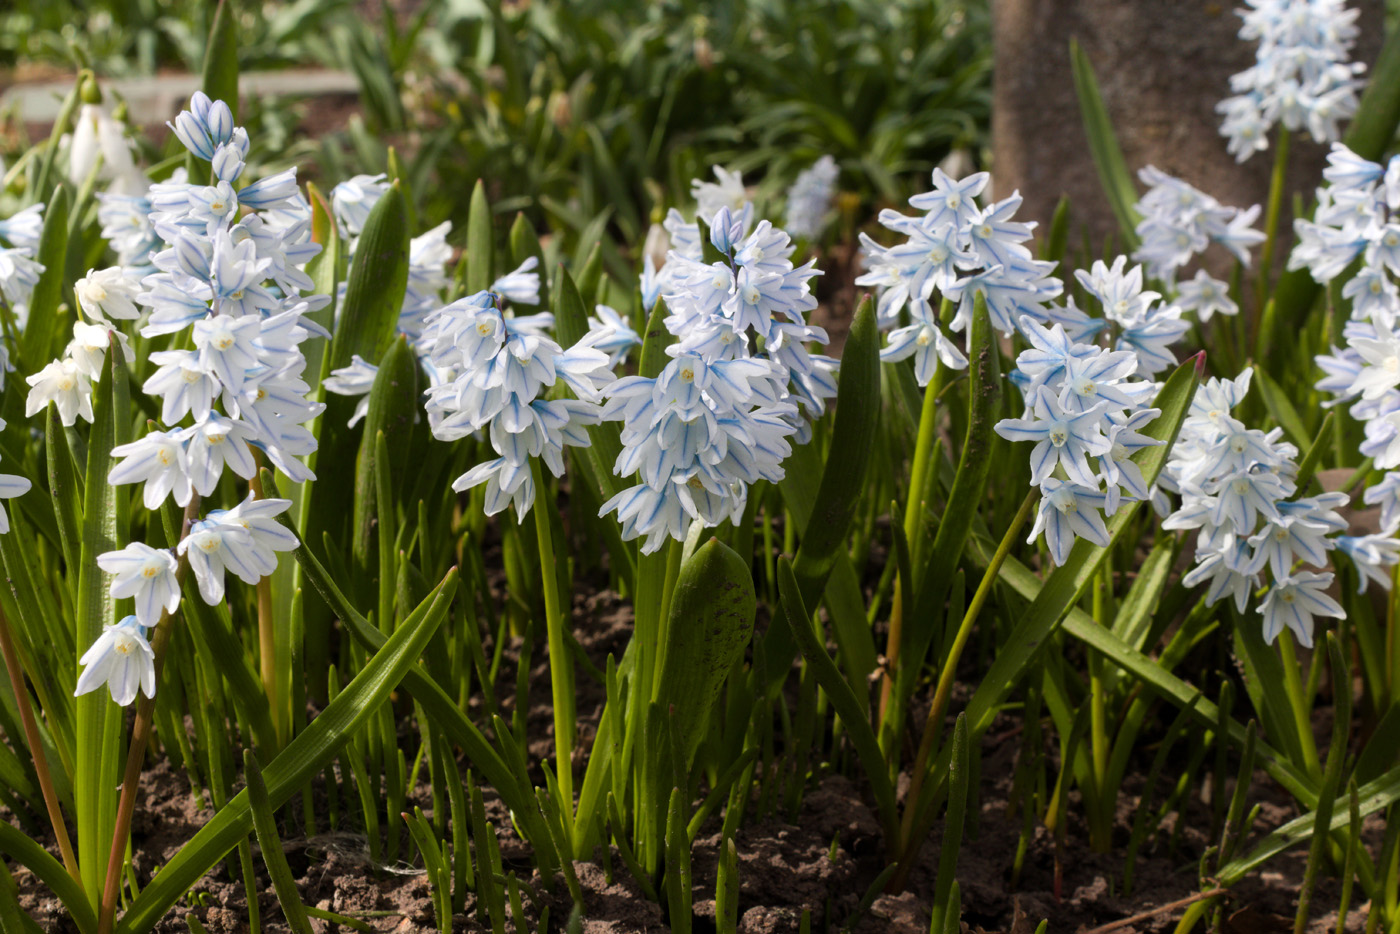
[(148, 575), (1294, 601), (159, 459), (122, 659), (89, 346), (62, 383), (214, 442), (711, 196), (108, 293), (10, 487)]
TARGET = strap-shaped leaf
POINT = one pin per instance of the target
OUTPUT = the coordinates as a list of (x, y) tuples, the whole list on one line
[(220, 77), (378, 281), (1103, 145), (265, 825), (843, 479), (1066, 584), (307, 754), (98, 719), (15, 844), (43, 321), (481, 242)]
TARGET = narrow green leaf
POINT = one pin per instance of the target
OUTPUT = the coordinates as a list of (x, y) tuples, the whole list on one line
[(1066, 584), (1103, 145), (944, 913), (265, 825), (393, 404), (99, 720), (307, 754), (42, 324), (66, 490), (653, 358), (220, 78), (843, 479), (525, 243), (843, 699), (50, 871)]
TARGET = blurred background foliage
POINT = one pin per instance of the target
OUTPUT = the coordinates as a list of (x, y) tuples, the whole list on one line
[(588, 116)]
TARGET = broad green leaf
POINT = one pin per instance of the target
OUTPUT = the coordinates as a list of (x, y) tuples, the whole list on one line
[(393, 403), (843, 699), (712, 616), (481, 242), (843, 478), (1103, 146), (99, 721), (525, 243), (220, 78), (653, 358), (1067, 583), (43, 321), (304, 756), (1279, 406), (375, 290)]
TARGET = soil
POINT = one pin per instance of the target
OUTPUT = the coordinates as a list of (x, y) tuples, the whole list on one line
[(822, 864)]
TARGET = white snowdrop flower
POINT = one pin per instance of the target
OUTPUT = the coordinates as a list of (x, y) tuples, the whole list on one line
[(122, 659), (66, 386), (159, 460), (146, 574)]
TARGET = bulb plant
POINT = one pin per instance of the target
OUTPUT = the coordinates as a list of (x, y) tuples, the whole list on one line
[(379, 460)]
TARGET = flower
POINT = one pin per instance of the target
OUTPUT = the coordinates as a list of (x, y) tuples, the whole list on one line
[(148, 575), (161, 462), (66, 386), (1294, 601), (122, 659), (1068, 510), (107, 293)]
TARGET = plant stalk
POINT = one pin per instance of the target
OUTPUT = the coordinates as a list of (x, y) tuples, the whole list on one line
[(561, 671), (950, 667), (136, 752), (41, 763)]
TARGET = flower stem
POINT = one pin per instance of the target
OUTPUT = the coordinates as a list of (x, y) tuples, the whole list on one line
[(267, 631), (1293, 685), (136, 752), (561, 669), (1266, 257), (944, 690), (41, 763)]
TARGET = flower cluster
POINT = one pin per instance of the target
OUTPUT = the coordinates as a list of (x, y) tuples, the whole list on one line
[(1085, 412), (222, 284), (494, 373), (1238, 490), (429, 256), (1180, 221), (725, 410), (1301, 78), (1355, 220), (962, 251), (809, 198)]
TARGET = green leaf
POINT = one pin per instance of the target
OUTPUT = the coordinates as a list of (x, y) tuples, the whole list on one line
[(265, 825), (220, 79), (843, 478), (1375, 796), (959, 765), (393, 404), (653, 358), (712, 616), (481, 242), (525, 243), (49, 871), (1279, 406), (376, 287), (66, 490), (1103, 146), (99, 721), (965, 497), (1066, 584), (843, 699), (43, 321), (304, 756)]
